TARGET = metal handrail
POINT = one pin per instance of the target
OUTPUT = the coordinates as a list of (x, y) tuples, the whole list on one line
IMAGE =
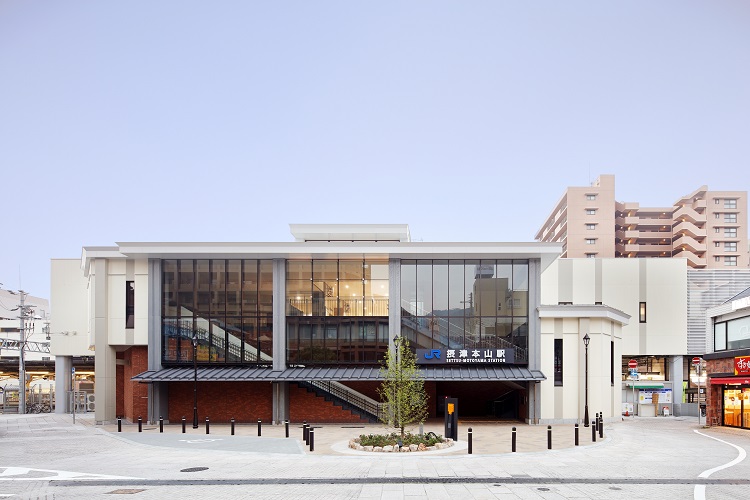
[(350, 396)]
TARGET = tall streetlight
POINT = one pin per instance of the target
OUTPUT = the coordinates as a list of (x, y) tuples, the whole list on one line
[(586, 340), (195, 380)]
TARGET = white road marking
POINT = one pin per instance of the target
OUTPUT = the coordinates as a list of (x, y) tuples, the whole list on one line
[(51, 475), (192, 441), (700, 489)]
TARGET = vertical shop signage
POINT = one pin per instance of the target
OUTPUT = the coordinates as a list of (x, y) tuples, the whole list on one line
[(742, 365)]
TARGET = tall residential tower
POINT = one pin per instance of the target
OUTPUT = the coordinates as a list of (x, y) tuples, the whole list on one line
[(708, 228)]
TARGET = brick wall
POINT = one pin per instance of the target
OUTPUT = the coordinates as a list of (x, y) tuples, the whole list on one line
[(221, 401), (304, 405), (715, 394), (134, 394)]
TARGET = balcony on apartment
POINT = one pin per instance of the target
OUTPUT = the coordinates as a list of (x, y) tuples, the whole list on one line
[(694, 261), (644, 250), (687, 242), (689, 228), (686, 213)]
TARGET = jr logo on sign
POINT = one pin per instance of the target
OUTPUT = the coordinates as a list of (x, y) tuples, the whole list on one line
[(433, 354)]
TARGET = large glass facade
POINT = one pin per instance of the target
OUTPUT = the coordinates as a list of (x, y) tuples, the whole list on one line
[(337, 311), (466, 304), (226, 304)]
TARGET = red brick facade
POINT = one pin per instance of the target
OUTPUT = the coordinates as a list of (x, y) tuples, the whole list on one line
[(131, 397), (714, 393), (221, 401)]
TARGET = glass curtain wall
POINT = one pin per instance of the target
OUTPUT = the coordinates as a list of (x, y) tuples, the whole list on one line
[(466, 304), (337, 311), (226, 304)]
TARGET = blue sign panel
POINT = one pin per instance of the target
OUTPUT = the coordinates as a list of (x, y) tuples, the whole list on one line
[(446, 356)]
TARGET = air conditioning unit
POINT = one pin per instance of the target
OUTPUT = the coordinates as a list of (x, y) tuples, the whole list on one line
[(90, 402)]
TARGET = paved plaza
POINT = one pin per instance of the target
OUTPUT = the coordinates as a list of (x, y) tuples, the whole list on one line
[(48, 456)]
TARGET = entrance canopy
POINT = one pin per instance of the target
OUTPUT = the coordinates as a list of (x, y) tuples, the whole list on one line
[(509, 373)]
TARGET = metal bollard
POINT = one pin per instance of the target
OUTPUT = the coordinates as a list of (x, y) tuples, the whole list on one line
[(513, 440), (161, 423), (206, 425), (232, 424), (304, 431), (593, 433), (576, 434), (601, 425), (286, 427), (307, 438), (549, 437), (183, 425), (140, 424), (258, 427), (312, 439), (470, 434), (119, 424)]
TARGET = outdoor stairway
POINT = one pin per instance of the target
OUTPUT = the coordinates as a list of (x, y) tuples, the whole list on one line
[(346, 398)]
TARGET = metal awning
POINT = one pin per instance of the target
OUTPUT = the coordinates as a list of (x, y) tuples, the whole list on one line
[(730, 380), (645, 385), (509, 373)]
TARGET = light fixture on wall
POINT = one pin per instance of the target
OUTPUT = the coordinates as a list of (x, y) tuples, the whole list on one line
[(586, 340)]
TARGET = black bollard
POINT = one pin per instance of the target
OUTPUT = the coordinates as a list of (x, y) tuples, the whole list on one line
[(161, 423), (307, 437), (206, 425), (232, 422), (513, 440), (119, 424), (183, 425), (549, 437), (258, 427), (312, 439), (601, 425), (593, 433), (140, 424), (470, 434), (304, 431), (286, 427), (576, 434)]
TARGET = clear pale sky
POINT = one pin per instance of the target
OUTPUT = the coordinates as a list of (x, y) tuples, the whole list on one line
[(226, 121)]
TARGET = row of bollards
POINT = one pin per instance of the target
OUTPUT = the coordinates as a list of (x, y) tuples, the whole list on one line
[(308, 434), (208, 428), (597, 427)]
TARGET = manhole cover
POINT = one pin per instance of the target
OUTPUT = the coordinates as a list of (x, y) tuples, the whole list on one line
[(194, 469), (124, 492)]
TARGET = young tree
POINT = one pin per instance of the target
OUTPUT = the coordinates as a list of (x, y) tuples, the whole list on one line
[(402, 390)]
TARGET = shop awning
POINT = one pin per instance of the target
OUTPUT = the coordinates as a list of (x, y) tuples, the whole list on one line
[(645, 385), (730, 381), (509, 373)]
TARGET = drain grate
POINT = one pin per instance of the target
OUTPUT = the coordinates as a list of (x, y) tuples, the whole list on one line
[(124, 492), (194, 469), (543, 489)]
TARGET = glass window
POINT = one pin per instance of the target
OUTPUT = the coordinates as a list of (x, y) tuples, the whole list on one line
[(169, 288), (590, 197), (409, 288), (730, 203), (730, 218), (440, 287), (558, 369), (424, 288), (590, 227), (298, 270), (730, 260), (326, 270), (590, 211), (738, 333), (130, 304), (730, 232), (642, 312), (456, 296), (591, 241), (720, 337), (730, 246), (351, 270)]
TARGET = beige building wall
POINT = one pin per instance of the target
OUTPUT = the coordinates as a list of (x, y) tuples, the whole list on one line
[(726, 211), (69, 320)]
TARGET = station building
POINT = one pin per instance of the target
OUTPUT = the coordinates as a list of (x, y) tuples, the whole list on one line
[(297, 330)]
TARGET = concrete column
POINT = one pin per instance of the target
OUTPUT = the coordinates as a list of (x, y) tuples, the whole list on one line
[(676, 376), (394, 300), (279, 314), (158, 398), (534, 339), (280, 402), (63, 382), (105, 359)]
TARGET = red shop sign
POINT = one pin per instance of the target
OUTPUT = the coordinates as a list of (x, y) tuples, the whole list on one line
[(742, 365)]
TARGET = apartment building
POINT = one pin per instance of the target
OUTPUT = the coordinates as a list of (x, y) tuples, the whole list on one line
[(707, 228)]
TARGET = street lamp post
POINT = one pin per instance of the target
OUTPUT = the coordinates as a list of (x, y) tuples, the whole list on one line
[(195, 380), (586, 340)]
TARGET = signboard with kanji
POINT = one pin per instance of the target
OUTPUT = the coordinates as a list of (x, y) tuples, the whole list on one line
[(742, 365), (445, 356)]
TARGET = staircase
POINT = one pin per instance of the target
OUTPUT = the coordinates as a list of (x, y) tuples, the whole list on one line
[(346, 398)]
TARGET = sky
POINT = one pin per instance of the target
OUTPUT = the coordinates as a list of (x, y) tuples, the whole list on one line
[(228, 120)]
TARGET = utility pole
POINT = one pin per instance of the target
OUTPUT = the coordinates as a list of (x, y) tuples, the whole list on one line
[(22, 313)]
